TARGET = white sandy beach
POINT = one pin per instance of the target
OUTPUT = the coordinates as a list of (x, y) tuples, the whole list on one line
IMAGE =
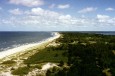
[(27, 47)]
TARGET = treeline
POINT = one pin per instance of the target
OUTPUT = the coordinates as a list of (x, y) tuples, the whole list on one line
[(88, 54)]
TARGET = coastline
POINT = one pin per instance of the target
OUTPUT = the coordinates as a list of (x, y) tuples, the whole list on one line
[(25, 48)]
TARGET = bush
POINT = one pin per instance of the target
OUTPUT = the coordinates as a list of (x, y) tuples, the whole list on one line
[(61, 63), (21, 71)]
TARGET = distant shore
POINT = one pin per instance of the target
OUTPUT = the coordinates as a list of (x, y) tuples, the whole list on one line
[(7, 53)]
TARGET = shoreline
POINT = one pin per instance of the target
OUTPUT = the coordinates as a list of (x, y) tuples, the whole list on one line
[(26, 48)]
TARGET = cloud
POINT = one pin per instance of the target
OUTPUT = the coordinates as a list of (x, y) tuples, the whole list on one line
[(28, 3), (35, 16), (106, 20), (39, 18), (63, 6), (44, 13), (109, 9), (103, 18), (65, 19), (51, 17), (16, 11), (87, 10)]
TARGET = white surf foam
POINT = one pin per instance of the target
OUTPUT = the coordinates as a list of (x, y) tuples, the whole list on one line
[(26, 47)]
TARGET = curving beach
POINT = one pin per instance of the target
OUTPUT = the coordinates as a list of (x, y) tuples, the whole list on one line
[(18, 54), (23, 48)]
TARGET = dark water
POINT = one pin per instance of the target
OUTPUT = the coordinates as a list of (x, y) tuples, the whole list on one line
[(106, 33), (13, 39), (94, 32), (100, 32)]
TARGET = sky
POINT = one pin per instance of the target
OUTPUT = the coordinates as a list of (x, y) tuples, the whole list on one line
[(57, 15)]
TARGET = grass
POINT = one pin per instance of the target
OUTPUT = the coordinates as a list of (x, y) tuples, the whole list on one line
[(46, 56), (21, 71), (39, 66), (9, 62)]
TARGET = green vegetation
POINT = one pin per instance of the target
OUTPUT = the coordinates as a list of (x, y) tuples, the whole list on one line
[(21, 71), (39, 66), (25, 70), (9, 62), (88, 54), (79, 54), (49, 54)]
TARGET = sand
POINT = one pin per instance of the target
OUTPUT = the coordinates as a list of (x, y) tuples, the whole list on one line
[(27, 47), (48, 66)]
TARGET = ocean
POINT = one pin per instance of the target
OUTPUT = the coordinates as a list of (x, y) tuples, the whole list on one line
[(9, 40), (101, 32)]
